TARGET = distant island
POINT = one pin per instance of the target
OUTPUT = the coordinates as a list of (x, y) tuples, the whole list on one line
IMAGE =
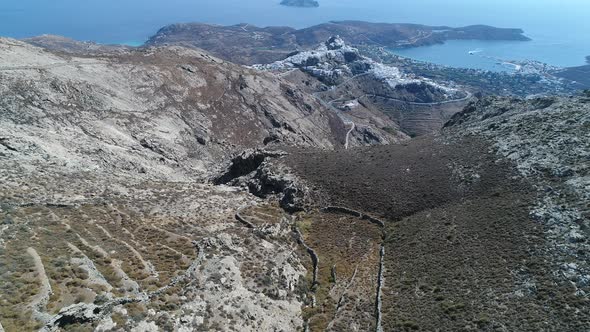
[(300, 3), (235, 43), (588, 59)]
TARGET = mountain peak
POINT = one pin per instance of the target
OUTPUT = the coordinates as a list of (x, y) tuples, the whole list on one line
[(335, 43)]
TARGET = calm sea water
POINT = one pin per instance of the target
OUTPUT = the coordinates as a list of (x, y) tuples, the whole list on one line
[(559, 27), (492, 55)]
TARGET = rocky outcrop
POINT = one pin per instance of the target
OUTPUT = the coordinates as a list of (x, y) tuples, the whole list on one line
[(244, 164), (335, 63), (256, 171)]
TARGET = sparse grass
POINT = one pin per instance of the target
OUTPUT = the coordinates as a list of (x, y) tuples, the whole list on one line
[(136, 311), (304, 225), (390, 130), (71, 283), (409, 325), (119, 319), (264, 214)]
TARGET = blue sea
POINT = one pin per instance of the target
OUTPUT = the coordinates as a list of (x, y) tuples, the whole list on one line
[(559, 28)]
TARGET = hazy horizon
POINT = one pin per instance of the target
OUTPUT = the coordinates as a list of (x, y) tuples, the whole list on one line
[(22, 18), (558, 28)]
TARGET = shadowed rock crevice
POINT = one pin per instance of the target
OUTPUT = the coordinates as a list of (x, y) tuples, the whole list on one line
[(257, 171), (247, 162)]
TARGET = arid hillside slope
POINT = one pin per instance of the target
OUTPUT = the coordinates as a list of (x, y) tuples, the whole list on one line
[(486, 223), (159, 111), (165, 189), (107, 219)]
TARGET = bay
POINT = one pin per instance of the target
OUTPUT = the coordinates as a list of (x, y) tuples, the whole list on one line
[(559, 29)]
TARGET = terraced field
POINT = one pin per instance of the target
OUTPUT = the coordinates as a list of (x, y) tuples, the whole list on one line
[(138, 254), (97, 254)]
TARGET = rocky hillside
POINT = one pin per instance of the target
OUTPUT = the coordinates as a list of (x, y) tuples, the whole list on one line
[(370, 94), (248, 44), (580, 74), (165, 189), (72, 46), (486, 223), (152, 112), (107, 221)]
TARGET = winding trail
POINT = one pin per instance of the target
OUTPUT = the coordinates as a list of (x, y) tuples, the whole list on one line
[(352, 127), (339, 113), (414, 39), (350, 79), (287, 72), (347, 120), (469, 96)]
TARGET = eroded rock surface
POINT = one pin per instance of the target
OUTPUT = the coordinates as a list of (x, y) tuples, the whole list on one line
[(107, 219), (166, 113)]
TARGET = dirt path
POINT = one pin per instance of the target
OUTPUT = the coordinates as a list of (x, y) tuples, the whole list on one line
[(469, 95), (339, 113), (335, 87), (352, 127), (379, 301)]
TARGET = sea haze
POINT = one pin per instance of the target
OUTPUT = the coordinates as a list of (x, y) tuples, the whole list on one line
[(558, 28)]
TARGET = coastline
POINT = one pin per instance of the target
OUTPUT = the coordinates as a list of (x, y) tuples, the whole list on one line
[(130, 43), (269, 44), (461, 54)]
